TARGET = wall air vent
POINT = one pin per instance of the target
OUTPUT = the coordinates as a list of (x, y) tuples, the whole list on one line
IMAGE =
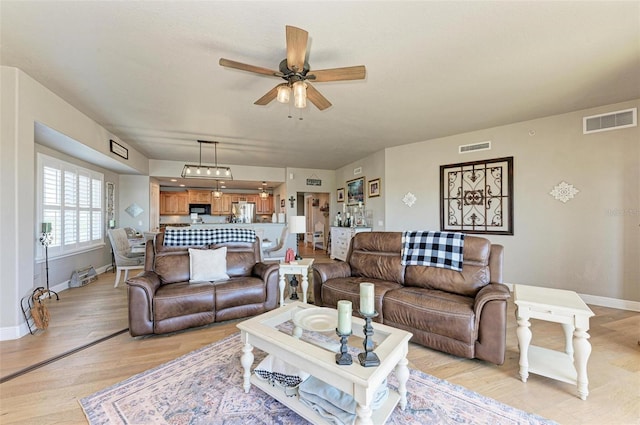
[(610, 121), (474, 147)]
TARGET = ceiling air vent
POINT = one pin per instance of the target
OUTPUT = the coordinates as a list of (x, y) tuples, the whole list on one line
[(474, 147), (610, 121)]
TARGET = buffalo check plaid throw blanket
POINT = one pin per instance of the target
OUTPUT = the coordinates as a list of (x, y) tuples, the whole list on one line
[(436, 249), (191, 237)]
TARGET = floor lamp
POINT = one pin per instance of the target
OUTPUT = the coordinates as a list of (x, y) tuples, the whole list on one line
[(297, 225), (45, 239)]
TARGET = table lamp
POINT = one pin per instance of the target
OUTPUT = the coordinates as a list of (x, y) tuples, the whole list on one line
[(297, 225)]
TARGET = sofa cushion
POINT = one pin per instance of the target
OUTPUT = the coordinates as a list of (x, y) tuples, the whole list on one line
[(239, 291), (208, 264), (433, 311), (474, 275), (348, 288), (182, 299), (376, 255)]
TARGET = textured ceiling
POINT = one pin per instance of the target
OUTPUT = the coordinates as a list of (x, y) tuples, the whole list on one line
[(148, 71)]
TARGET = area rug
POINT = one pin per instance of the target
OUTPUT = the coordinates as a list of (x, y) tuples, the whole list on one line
[(205, 387)]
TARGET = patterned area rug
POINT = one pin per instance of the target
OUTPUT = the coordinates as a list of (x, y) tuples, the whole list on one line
[(205, 387)]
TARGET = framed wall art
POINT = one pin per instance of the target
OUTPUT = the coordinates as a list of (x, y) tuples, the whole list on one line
[(355, 191), (340, 194), (477, 197), (373, 187), (118, 149)]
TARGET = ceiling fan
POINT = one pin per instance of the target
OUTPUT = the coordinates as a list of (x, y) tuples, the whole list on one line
[(297, 74)]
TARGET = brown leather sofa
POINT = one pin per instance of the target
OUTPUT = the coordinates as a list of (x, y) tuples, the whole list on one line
[(461, 313), (162, 300)]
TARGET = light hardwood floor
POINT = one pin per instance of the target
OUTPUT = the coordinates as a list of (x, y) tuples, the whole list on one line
[(50, 394)]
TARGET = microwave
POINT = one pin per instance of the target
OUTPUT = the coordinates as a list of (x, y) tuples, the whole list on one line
[(200, 209)]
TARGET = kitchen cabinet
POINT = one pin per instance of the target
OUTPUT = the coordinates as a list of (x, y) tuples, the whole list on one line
[(222, 205), (199, 196), (264, 205), (242, 197), (341, 239), (174, 203)]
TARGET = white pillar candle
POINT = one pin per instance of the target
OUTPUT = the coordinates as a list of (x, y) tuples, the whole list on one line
[(344, 317), (367, 298)]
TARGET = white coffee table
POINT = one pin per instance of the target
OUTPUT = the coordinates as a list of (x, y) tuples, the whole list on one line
[(559, 306), (392, 346)]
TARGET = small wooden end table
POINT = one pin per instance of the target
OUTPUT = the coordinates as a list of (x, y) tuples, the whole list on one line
[(558, 306), (300, 267)]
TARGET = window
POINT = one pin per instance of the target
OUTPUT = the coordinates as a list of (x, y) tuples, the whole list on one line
[(70, 198)]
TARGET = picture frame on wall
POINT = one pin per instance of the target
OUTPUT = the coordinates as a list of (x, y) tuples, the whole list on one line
[(373, 188), (340, 194), (355, 191)]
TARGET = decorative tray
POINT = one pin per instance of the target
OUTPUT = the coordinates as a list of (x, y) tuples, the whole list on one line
[(319, 319)]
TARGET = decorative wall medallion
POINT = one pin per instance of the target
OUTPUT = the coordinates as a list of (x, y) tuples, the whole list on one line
[(564, 191), (409, 199), (134, 210)]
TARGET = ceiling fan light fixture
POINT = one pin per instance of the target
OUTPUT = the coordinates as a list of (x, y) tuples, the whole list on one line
[(284, 93)]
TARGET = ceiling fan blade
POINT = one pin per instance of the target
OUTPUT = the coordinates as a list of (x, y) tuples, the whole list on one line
[(296, 48), (251, 68), (316, 98), (339, 74), (268, 97)]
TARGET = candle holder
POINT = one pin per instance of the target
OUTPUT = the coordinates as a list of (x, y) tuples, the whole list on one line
[(343, 358), (368, 358)]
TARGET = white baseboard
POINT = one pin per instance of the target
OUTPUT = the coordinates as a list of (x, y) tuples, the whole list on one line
[(15, 332), (603, 301)]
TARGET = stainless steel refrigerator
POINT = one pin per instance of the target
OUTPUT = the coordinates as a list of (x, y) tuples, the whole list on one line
[(244, 212)]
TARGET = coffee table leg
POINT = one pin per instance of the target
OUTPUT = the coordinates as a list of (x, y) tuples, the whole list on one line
[(402, 372), (582, 349), (246, 360), (524, 339), (364, 415)]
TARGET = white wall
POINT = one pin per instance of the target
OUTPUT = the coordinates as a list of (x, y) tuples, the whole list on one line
[(591, 244), (24, 101), (134, 190)]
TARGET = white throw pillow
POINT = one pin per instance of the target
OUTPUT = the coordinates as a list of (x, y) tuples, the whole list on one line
[(208, 264)]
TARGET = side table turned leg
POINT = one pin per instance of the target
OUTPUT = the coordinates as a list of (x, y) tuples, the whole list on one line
[(281, 285), (582, 349), (568, 337), (524, 339)]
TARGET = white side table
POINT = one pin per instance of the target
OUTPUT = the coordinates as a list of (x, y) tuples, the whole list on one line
[(558, 306), (300, 267)]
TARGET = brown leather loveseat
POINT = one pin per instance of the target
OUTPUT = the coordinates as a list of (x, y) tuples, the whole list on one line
[(162, 300), (461, 313)]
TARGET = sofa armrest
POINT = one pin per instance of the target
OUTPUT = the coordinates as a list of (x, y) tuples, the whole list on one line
[(490, 292), (269, 273), (328, 271), (141, 290), (263, 270), (491, 323), (325, 271)]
